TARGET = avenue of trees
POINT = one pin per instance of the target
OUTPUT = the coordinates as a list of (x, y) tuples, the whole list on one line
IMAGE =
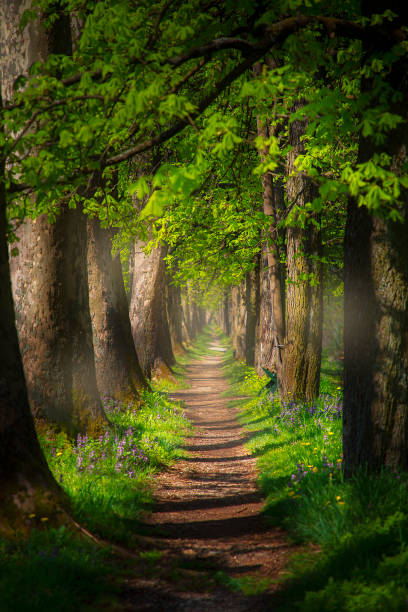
[(240, 158)]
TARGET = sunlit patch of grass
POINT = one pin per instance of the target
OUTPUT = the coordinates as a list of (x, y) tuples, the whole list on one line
[(331, 379), (248, 585), (109, 478)]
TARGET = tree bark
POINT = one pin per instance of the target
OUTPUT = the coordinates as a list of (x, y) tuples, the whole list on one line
[(226, 314), (117, 366), (265, 355), (252, 313), (302, 346), (238, 321), (148, 314), (375, 432), (49, 275), (271, 327), (27, 486), (174, 314), (186, 323)]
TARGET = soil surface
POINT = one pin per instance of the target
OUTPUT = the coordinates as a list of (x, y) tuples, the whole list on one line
[(207, 517)]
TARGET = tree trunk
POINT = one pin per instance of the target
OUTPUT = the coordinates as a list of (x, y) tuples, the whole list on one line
[(226, 314), (49, 275), (27, 486), (117, 366), (272, 315), (50, 284), (186, 323), (375, 431), (174, 314), (252, 313), (195, 318), (265, 354), (238, 321), (148, 314), (302, 350)]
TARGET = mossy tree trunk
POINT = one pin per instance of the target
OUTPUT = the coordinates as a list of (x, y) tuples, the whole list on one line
[(50, 282), (118, 372), (265, 354), (301, 354)]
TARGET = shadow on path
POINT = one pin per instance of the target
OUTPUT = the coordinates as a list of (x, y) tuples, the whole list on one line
[(208, 515)]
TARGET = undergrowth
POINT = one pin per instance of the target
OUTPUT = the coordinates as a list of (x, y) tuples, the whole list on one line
[(358, 527), (53, 570), (108, 480)]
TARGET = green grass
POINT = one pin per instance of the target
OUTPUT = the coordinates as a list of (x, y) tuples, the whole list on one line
[(358, 528), (108, 479), (55, 571)]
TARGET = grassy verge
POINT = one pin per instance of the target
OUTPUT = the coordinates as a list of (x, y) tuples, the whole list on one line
[(358, 528), (108, 479), (109, 482)]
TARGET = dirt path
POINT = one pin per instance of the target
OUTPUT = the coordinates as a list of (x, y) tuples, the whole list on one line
[(207, 517)]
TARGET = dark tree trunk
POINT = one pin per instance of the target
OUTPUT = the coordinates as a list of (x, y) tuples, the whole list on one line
[(148, 313), (117, 366), (26, 484), (375, 432), (49, 275)]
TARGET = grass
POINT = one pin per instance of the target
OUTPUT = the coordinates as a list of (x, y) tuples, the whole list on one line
[(108, 480), (53, 570), (357, 528)]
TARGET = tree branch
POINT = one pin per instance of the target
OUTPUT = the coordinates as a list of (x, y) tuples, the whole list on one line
[(180, 125)]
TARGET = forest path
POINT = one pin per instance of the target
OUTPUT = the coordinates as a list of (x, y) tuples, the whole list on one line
[(207, 513)]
